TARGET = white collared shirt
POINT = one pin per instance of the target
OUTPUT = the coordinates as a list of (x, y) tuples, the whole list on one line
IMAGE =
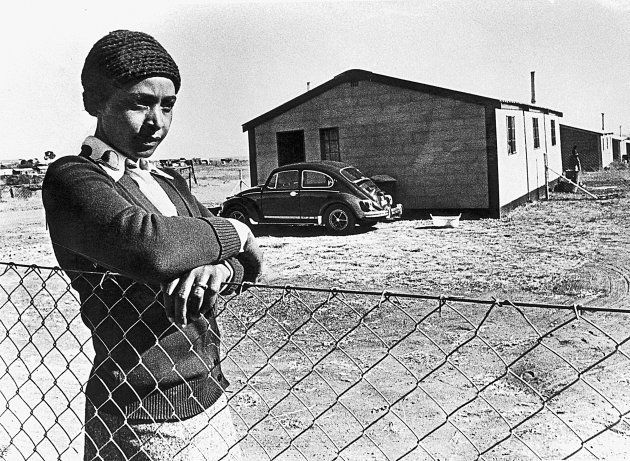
[(152, 190), (116, 164)]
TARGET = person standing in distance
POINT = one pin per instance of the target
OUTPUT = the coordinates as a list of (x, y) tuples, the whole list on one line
[(574, 160)]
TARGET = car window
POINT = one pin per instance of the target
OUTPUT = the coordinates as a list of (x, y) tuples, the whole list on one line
[(271, 183), (352, 173), (284, 180), (316, 179)]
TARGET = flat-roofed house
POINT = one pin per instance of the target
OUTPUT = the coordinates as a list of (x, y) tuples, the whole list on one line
[(594, 147), (624, 148), (618, 147), (447, 150)]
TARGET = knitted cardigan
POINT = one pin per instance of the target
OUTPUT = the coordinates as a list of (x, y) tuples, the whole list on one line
[(145, 368)]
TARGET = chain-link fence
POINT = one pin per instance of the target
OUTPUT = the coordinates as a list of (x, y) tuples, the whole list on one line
[(320, 374)]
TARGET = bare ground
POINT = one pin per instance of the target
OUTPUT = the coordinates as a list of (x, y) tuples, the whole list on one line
[(571, 249)]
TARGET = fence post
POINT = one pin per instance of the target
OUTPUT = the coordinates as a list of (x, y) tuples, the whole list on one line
[(192, 169)]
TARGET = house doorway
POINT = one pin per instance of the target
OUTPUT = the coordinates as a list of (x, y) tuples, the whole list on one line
[(290, 147)]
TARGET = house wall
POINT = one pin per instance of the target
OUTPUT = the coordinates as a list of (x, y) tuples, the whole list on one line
[(589, 146), (554, 152), (616, 148), (522, 174), (607, 149), (434, 146), (624, 150)]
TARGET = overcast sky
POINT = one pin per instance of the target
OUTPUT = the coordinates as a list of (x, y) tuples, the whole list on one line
[(241, 59)]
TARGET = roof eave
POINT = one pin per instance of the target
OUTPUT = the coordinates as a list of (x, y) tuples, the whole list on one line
[(529, 107)]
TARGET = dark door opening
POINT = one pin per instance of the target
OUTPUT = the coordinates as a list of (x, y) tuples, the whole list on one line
[(290, 147)]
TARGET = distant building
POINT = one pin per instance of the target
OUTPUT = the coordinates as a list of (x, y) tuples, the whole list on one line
[(447, 150), (618, 147), (595, 147), (624, 147)]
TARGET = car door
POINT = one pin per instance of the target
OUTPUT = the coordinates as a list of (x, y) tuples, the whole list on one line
[(316, 191), (280, 199)]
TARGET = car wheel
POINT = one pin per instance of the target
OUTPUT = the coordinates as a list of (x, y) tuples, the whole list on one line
[(339, 219), (238, 213)]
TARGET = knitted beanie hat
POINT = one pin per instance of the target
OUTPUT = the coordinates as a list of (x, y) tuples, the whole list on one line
[(123, 56)]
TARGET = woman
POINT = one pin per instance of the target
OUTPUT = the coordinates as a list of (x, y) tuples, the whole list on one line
[(156, 387)]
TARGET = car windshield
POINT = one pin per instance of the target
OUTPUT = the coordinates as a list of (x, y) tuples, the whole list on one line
[(352, 174)]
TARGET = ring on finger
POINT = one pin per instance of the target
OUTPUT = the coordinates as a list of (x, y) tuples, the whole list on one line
[(203, 286)]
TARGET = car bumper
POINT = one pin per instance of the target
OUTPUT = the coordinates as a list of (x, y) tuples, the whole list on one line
[(395, 212), (389, 213), (376, 214)]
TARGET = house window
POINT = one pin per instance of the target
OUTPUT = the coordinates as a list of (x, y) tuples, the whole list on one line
[(511, 135), (553, 132), (329, 143), (536, 133)]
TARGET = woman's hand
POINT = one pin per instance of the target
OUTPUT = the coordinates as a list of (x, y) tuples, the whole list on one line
[(184, 296)]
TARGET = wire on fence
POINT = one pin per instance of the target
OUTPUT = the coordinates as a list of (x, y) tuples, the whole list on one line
[(345, 374)]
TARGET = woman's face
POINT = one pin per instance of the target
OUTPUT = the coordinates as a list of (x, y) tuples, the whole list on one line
[(136, 118)]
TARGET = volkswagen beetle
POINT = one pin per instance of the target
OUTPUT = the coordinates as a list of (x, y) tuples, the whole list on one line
[(333, 194)]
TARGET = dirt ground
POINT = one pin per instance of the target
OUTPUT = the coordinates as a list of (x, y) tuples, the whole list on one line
[(570, 249)]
